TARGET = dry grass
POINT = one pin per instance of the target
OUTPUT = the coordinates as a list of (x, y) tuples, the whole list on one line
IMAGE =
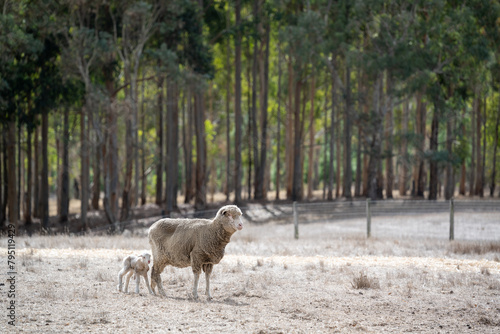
[(267, 282), (362, 281), (476, 248)]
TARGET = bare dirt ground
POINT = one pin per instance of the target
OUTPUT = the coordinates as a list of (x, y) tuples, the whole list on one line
[(325, 282)]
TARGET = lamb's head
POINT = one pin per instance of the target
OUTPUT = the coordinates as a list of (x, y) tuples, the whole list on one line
[(146, 257), (230, 217)]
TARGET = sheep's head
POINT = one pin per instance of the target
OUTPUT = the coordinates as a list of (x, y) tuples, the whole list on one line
[(146, 257), (230, 216)]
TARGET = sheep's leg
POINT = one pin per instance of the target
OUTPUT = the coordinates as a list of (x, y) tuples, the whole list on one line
[(120, 282), (207, 268), (156, 278), (127, 279), (137, 282), (196, 271), (147, 283), (195, 287)]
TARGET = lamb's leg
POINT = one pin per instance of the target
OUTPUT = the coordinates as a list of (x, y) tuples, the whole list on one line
[(120, 277), (158, 267), (127, 279), (207, 268), (147, 283), (137, 282)]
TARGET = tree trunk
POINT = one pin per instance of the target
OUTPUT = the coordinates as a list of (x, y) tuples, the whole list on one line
[(253, 110), (278, 120), (111, 154), (472, 179), (289, 135), (297, 166), (250, 126), (96, 190), (483, 161), (188, 148), (19, 170), (129, 159), (389, 139), (463, 172), (433, 179), (260, 192), (45, 171), (11, 158), (36, 173), (450, 174), (495, 147), (143, 147), (3, 159), (332, 143), (339, 153), (84, 155), (237, 107), (5, 174), (172, 144), (403, 176), (357, 185), (311, 142), (229, 172), (419, 173), (63, 217), (159, 148), (325, 138), (29, 183), (375, 142), (479, 170), (201, 152), (347, 182)]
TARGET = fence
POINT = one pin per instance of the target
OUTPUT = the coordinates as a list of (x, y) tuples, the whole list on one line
[(456, 219), (411, 218)]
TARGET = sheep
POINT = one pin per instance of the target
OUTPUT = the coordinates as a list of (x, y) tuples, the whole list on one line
[(199, 243), (138, 266)]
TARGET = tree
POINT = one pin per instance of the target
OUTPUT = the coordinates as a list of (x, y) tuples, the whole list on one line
[(237, 105)]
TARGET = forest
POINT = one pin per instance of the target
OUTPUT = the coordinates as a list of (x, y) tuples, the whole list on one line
[(117, 104)]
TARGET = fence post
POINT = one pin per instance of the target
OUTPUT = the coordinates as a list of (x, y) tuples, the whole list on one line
[(452, 220), (295, 220), (368, 219)]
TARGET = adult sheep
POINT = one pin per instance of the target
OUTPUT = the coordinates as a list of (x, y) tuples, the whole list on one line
[(199, 243)]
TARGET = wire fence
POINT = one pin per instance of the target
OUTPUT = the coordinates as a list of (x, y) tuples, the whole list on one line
[(458, 219)]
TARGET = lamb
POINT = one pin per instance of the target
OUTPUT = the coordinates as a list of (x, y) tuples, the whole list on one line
[(199, 243), (137, 265)]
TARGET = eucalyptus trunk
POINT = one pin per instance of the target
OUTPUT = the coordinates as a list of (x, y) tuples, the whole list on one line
[(479, 170), (472, 172), (311, 141), (495, 147), (159, 141), (297, 144), (433, 170), (449, 172), (11, 171), (63, 215), (347, 182), (172, 144), (237, 106), (332, 143), (201, 152), (84, 156), (403, 176), (389, 167)]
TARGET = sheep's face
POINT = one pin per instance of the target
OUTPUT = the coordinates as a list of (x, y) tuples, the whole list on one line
[(231, 218)]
